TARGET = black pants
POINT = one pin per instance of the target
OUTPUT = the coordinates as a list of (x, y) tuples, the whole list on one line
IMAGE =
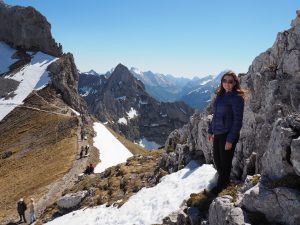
[(223, 159), (22, 214)]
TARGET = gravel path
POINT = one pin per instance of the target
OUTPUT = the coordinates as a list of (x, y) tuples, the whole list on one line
[(56, 189)]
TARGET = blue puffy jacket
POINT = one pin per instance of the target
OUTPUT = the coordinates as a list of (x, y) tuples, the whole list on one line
[(228, 112)]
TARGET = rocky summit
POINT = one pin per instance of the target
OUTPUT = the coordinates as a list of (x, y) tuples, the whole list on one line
[(121, 100), (26, 28)]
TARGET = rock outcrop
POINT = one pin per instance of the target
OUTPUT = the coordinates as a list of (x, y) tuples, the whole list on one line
[(279, 205), (25, 28), (64, 78), (271, 117), (269, 139), (223, 212), (71, 200)]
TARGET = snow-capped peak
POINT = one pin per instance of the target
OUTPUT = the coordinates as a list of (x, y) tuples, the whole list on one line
[(92, 72), (136, 70)]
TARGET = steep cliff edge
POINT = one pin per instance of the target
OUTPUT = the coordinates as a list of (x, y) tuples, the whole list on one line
[(26, 28)]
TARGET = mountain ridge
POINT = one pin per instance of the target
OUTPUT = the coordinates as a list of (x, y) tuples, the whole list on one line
[(120, 94)]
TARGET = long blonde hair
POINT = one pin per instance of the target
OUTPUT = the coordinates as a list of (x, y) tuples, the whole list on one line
[(237, 87)]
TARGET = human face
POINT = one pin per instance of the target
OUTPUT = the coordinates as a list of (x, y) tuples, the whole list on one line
[(228, 83)]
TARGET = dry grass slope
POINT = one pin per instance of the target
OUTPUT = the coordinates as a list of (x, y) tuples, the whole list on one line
[(43, 147)]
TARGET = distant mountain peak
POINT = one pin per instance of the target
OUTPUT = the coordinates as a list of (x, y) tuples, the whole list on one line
[(92, 72), (120, 69), (136, 70)]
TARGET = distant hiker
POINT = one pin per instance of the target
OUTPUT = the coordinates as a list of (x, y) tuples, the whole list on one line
[(225, 127), (32, 211), (21, 207), (87, 147), (89, 169), (81, 152), (82, 134)]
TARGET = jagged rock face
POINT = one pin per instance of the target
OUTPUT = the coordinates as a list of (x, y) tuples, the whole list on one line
[(64, 78), (120, 90), (89, 85), (274, 85), (278, 161), (222, 212), (26, 28), (280, 205), (269, 139), (274, 89), (121, 93)]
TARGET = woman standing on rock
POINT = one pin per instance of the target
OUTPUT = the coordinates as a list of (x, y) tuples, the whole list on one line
[(225, 127)]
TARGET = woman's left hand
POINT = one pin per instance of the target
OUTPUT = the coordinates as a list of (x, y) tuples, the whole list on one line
[(228, 146)]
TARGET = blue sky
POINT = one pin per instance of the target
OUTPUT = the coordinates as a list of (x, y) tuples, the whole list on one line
[(183, 38)]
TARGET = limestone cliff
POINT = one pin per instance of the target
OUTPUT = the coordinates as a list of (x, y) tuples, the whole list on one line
[(269, 141), (25, 28)]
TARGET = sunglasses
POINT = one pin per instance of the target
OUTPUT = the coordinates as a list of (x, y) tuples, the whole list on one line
[(227, 81)]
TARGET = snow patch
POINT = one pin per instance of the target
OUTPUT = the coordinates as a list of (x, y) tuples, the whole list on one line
[(32, 76), (149, 205), (112, 151), (92, 72), (132, 113), (122, 120), (205, 82), (163, 115), (143, 102), (121, 98), (86, 90)]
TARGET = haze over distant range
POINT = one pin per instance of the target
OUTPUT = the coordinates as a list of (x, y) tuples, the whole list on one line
[(183, 38)]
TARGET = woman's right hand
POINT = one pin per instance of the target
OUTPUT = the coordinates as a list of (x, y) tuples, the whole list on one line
[(210, 137)]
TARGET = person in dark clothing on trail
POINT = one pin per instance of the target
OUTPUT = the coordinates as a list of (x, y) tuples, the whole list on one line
[(89, 169), (224, 130), (82, 134), (81, 152), (21, 207), (87, 147)]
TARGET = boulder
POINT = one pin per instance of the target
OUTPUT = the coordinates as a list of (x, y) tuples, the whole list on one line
[(223, 212), (71, 200), (279, 205), (281, 157)]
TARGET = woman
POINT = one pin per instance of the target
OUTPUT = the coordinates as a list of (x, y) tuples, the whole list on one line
[(225, 127), (32, 211)]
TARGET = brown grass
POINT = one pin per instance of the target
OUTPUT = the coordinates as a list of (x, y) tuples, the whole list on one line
[(255, 180), (200, 200), (43, 146), (231, 190), (116, 183)]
